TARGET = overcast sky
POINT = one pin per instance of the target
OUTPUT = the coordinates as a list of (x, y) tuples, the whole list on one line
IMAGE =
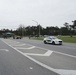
[(45, 12)]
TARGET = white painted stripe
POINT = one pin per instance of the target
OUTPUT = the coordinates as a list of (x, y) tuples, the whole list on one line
[(4, 50), (26, 48), (11, 42), (56, 51), (20, 45), (66, 72), (59, 52), (21, 48), (48, 53), (31, 47), (34, 54), (65, 54)]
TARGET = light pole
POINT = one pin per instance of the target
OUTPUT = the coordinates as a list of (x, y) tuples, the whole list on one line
[(37, 24)]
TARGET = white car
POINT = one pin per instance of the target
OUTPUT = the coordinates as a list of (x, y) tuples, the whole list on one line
[(53, 40)]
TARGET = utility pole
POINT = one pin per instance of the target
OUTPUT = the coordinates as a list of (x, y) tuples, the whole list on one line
[(37, 24)]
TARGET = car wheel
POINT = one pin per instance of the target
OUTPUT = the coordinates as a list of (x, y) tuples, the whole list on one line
[(53, 43), (45, 42)]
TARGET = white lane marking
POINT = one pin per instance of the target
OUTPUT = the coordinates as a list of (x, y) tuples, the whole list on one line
[(31, 47), (26, 48), (34, 54), (4, 50), (52, 50), (20, 45), (21, 48), (59, 52), (61, 71), (10, 41), (48, 53), (34, 60), (55, 51), (65, 54), (66, 72)]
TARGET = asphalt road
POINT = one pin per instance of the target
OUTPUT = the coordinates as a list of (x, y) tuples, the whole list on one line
[(67, 48), (14, 63), (33, 57)]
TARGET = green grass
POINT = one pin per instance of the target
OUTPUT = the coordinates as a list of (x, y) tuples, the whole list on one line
[(64, 38), (68, 39), (38, 38)]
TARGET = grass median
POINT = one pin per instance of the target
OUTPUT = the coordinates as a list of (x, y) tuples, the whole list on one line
[(68, 39)]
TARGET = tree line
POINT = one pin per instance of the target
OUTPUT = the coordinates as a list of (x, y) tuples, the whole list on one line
[(38, 30)]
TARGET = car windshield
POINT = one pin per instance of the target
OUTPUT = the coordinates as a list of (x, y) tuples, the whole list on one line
[(54, 38), (50, 37)]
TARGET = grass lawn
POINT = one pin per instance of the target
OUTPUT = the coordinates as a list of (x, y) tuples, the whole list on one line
[(64, 38), (38, 38), (68, 39)]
